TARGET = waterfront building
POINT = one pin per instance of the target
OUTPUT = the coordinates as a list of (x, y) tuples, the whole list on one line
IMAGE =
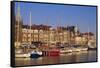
[(51, 36), (90, 37), (85, 38), (47, 34)]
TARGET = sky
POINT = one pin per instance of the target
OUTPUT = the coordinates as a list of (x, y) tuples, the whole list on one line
[(64, 15)]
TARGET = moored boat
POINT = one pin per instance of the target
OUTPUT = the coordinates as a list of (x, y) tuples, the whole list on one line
[(51, 52), (35, 54), (76, 49), (92, 46), (84, 49), (22, 55), (66, 50)]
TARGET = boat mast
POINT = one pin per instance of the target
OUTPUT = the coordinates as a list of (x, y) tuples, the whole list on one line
[(66, 34), (58, 37), (88, 37), (76, 31), (47, 32), (27, 32), (18, 24), (30, 28)]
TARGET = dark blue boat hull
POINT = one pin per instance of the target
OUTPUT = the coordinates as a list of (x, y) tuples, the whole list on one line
[(35, 55)]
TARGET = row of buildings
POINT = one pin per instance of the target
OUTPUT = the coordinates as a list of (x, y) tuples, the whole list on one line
[(49, 35)]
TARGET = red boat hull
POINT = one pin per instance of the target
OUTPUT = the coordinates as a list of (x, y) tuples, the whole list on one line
[(51, 53)]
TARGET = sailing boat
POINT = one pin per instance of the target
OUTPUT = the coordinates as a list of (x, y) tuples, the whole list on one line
[(91, 43), (17, 44), (19, 53), (80, 48), (35, 53)]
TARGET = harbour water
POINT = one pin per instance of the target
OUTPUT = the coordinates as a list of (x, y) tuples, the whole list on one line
[(75, 57)]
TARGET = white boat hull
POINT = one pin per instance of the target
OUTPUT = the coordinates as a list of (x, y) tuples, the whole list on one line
[(65, 51), (22, 55), (84, 49)]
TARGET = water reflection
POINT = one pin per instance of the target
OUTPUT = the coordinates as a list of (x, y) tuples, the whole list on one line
[(84, 56)]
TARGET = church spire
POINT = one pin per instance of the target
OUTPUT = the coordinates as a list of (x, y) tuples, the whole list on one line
[(76, 28)]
